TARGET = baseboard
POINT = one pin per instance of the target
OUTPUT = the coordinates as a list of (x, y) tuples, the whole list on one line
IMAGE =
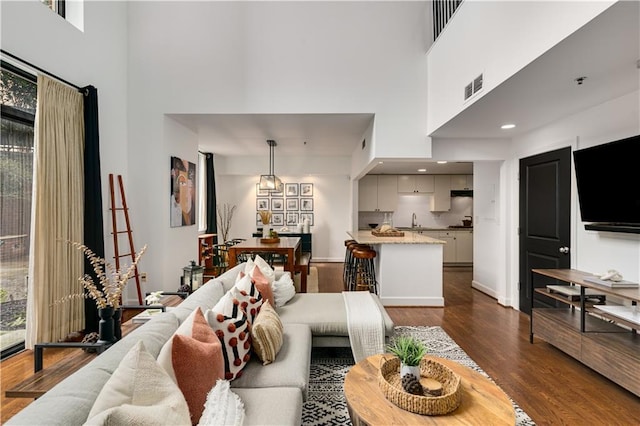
[(483, 288), (327, 259)]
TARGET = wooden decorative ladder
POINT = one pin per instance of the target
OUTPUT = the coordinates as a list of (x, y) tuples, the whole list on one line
[(116, 233)]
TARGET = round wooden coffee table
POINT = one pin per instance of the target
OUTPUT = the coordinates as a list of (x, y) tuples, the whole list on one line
[(483, 402)]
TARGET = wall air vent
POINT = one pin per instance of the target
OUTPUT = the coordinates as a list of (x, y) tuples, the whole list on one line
[(468, 91), (477, 84)]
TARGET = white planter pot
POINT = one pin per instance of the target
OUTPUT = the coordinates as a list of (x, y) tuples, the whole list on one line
[(408, 369)]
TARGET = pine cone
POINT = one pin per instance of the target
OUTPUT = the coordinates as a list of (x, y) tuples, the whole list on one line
[(411, 384)]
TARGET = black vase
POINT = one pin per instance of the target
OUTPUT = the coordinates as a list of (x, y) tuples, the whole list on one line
[(106, 326), (117, 323)]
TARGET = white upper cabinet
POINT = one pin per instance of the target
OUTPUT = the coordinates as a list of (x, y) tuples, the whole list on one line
[(412, 184), (378, 193), (461, 182), (441, 199)]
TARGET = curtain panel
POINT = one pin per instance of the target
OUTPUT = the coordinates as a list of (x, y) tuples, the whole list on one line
[(57, 215)]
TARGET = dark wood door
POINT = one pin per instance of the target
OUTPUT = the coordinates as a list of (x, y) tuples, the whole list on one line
[(545, 216)]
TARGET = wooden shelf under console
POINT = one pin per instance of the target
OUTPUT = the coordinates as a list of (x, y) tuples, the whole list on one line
[(606, 343)]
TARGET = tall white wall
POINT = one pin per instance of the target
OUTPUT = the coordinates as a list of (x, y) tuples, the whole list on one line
[(497, 39), (268, 57)]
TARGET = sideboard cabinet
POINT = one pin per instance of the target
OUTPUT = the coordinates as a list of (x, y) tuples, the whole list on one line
[(607, 343)]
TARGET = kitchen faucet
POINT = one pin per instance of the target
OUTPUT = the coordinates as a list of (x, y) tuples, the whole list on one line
[(414, 220)]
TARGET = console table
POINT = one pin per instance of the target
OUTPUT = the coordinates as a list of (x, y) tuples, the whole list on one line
[(606, 343)]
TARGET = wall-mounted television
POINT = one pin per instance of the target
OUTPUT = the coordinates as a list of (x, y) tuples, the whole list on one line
[(608, 181)]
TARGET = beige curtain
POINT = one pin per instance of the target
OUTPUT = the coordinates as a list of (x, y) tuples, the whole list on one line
[(57, 214)]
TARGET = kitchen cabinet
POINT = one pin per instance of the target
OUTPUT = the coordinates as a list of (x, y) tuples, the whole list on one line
[(441, 199), (449, 249), (464, 246), (461, 182), (378, 193), (416, 184)]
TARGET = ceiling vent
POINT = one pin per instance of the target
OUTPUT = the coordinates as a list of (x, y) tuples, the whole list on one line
[(477, 84), (468, 91)]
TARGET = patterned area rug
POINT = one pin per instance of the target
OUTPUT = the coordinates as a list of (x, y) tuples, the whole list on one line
[(326, 404)]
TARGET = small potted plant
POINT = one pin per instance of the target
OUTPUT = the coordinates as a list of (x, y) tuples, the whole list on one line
[(410, 351)]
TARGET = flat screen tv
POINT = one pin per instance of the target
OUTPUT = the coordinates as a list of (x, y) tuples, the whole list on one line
[(608, 181)]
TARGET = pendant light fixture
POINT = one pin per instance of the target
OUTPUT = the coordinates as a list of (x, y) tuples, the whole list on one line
[(271, 182)]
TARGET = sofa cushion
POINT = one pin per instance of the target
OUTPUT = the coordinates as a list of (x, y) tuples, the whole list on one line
[(223, 407), (139, 392), (257, 402), (283, 290), (84, 385), (266, 334), (232, 328), (324, 313), (290, 368), (204, 298), (229, 278)]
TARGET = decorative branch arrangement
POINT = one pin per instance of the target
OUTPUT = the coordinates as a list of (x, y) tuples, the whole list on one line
[(112, 280), (225, 215)]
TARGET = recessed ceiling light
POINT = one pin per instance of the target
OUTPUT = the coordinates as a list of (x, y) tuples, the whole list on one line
[(507, 126), (441, 162), (380, 162), (422, 170)]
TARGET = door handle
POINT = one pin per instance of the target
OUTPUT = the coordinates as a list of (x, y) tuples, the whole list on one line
[(564, 250)]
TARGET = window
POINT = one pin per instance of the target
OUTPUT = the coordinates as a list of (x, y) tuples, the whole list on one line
[(57, 6), (18, 93)]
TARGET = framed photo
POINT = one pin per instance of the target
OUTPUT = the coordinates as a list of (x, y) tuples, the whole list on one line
[(262, 204), (261, 192), (277, 204), (306, 204), (292, 204), (306, 190), (291, 189), (292, 219), (309, 216), (183, 193), (277, 219)]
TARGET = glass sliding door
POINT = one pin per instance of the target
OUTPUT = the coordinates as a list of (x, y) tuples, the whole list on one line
[(18, 91)]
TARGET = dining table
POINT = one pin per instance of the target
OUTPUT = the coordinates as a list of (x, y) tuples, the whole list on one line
[(290, 247)]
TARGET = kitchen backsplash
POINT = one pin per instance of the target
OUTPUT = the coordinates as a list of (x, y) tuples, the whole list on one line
[(419, 204)]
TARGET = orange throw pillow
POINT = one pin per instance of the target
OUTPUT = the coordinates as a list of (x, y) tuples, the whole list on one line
[(198, 363), (262, 284)]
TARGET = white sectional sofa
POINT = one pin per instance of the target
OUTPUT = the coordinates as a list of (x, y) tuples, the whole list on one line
[(316, 319)]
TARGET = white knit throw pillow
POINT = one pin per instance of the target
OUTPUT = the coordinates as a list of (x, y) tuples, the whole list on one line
[(223, 407)]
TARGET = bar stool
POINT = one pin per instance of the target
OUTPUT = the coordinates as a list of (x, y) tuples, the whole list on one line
[(347, 262), (365, 273), (350, 265)]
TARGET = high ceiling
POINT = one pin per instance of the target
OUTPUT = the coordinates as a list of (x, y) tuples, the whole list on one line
[(606, 51)]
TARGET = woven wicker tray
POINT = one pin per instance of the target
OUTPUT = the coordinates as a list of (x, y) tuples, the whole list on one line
[(270, 240), (390, 383)]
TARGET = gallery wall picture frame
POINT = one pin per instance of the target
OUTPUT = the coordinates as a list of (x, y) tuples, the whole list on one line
[(277, 219), (306, 204), (306, 190), (291, 189), (261, 192), (309, 216), (259, 220), (292, 219), (277, 204), (292, 204), (262, 204)]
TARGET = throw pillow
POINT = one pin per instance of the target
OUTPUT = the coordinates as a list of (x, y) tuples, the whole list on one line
[(261, 282), (264, 268), (230, 324), (223, 407), (139, 392), (247, 296), (193, 359), (283, 290), (266, 334)]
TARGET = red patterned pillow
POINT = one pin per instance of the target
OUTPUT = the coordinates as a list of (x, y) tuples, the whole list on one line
[(230, 324), (247, 296)]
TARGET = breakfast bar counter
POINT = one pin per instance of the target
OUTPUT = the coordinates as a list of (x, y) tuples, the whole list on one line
[(408, 268)]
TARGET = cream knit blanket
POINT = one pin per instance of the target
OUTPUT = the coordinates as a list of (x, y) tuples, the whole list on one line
[(365, 324)]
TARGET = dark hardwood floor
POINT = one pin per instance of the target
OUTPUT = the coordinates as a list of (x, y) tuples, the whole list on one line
[(551, 387)]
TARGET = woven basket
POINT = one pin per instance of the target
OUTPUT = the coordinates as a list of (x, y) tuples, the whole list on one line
[(391, 385)]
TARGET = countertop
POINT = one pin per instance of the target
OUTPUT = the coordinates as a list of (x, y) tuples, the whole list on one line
[(420, 228), (365, 237)]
